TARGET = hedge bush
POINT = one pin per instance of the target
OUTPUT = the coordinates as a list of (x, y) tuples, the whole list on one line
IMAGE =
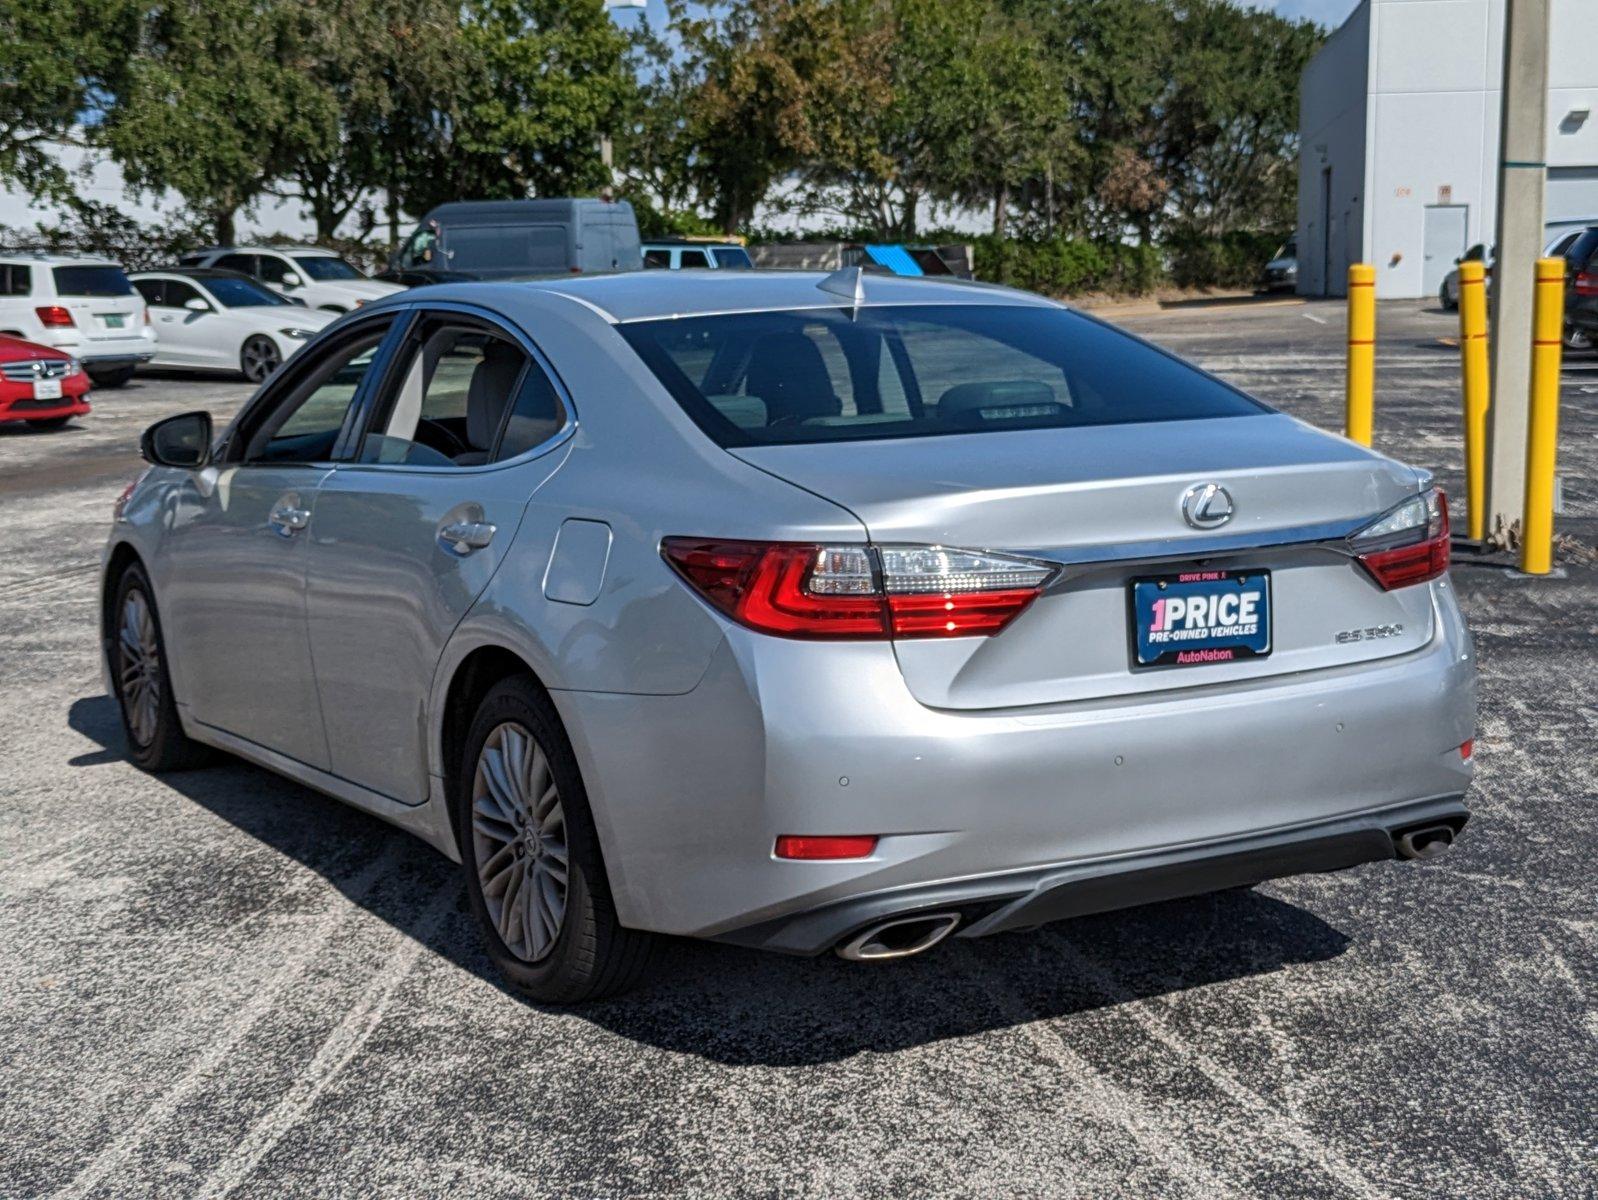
[(1072, 266)]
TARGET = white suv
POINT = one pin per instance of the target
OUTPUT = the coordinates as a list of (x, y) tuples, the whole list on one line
[(312, 276), (84, 306)]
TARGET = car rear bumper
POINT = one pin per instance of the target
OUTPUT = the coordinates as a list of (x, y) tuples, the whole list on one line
[(1022, 900), (782, 737)]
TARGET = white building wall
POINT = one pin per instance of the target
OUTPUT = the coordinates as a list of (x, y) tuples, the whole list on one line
[(1333, 112), (1432, 117)]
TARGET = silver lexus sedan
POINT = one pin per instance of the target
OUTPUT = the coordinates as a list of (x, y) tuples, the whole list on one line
[(801, 611)]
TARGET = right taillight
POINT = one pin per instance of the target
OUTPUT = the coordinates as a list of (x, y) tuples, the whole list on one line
[(803, 590), (1408, 544), (54, 316), (1586, 283)]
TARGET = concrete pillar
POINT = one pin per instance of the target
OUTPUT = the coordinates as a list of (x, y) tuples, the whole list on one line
[(1522, 171)]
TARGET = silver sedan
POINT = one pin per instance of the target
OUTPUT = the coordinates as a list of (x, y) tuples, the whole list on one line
[(800, 611)]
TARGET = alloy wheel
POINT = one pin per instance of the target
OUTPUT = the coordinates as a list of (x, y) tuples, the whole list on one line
[(139, 667), (519, 841), (260, 358)]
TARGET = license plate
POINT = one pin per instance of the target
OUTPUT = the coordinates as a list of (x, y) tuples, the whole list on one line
[(46, 389), (113, 320), (1200, 617)]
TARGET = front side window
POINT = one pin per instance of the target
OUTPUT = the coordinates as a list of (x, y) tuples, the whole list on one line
[(464, 396), (274, 268), (91, 281), (325, 266), (304, 423), (657, 259), (244, 264), (818, 375)]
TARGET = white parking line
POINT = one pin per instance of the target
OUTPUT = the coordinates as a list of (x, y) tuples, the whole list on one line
[(1313, 317)]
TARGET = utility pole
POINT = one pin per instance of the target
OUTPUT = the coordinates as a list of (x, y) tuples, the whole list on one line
[(1522, 145)]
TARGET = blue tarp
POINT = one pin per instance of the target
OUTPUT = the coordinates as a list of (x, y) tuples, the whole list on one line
[(896, 258)]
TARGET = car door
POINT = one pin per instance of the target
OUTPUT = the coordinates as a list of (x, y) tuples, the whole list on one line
[(231, 572), (187, 338), (468, 423)]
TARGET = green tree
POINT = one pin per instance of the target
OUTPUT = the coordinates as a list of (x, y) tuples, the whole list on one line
[(60, 60), (217, 103)]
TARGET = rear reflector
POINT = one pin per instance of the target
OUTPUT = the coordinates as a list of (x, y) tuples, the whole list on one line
[(802, 590), (53, 316), (1466, 749), (849, 846), (1408, 544)]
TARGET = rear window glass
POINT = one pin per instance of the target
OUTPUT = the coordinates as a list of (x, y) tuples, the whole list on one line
[(91, 281), (820, 375), (506, 247)]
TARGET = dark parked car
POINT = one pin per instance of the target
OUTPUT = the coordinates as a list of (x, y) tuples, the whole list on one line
[(1581, 291)]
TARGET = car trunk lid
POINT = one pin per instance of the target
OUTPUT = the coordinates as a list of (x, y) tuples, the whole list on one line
[(1106, 502)]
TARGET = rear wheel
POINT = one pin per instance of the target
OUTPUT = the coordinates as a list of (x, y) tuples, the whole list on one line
[(1576, 339), (531, 856), (156, 741), (1444, 298), (113, 378), (259, 358), (49, 422)]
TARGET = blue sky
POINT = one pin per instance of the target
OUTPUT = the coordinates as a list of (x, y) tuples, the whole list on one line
[(1330, 13)]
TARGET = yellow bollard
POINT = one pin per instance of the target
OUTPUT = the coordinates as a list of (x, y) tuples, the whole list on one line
[(1542, 433), (1478, 385), (1361, 353)]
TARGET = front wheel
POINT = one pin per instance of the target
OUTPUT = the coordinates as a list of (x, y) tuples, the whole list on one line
[(259, 358), (1444, 298), (156, 741), (112, 378), (531, 856)]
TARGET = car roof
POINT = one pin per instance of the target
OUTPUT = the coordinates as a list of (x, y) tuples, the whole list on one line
[(197, 273), (287, 248), (472, 212), (648, 295), (43, 258)]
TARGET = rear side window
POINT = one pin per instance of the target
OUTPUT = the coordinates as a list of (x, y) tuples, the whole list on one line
[(91, 281), (1583, 247), (819, 375), (694, 258), (529, 248), (153, 291), (732, 259), (16, 280)]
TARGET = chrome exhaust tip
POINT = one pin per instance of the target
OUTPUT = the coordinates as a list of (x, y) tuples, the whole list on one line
[(1427, 842), (901, 937)]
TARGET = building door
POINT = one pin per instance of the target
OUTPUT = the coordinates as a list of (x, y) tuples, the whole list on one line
[(1443, 244), (1326, 288)]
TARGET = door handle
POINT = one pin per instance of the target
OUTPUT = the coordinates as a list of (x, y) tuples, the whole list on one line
[(288, 520), (462, 537)]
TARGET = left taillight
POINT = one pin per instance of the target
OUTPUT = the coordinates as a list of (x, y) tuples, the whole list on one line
[(1408, 544), (803, 590)]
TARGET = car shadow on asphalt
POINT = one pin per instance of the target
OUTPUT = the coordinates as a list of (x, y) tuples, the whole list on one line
[(744, 1007)]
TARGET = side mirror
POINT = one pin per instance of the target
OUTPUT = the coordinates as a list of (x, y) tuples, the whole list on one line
[(196, 305), (182, 441), (290, 279)]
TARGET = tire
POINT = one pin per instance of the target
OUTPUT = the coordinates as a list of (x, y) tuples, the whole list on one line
[(1442, 298), (1576, 339), (590, 954), (259, 357), (49, 422), (156, 741), (111, 379)]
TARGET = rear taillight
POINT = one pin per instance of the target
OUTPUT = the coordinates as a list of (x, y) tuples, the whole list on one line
[(809, 591), (1586, 283), (53, 316), (1408, 544)]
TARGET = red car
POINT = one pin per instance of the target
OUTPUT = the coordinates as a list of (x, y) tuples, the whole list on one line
[(40, 385)]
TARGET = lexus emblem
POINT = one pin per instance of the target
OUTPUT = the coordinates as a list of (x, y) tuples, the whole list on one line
[(1207, 506)]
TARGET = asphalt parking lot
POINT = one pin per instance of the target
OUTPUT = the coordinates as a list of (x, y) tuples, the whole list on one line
[(220, 983)]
